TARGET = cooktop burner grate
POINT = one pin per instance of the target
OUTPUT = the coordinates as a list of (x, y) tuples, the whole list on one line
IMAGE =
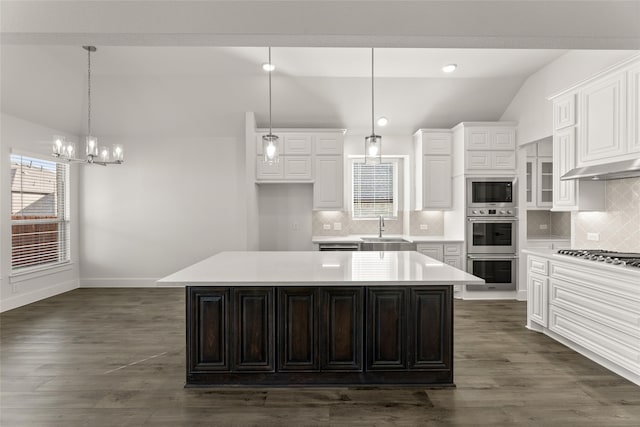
[(601, 255)]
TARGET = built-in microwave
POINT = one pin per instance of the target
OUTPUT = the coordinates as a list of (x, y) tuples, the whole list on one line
[(491, 192)]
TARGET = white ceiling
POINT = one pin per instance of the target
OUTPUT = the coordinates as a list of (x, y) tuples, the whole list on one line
[(198, 90)]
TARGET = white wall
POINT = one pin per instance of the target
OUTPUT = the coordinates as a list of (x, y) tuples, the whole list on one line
[(31, 138), (530, 107), (173, 202)]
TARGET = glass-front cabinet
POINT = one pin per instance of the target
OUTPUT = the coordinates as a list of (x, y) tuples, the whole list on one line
[(539, 181)]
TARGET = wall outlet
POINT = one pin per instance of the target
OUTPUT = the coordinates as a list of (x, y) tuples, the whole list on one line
[(543, 226), (295, 226), (593, 236), (14, 288), (337, 226), (326, 226), (424, 226)]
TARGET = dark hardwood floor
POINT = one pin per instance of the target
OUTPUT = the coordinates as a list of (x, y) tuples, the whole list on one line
[(96, 357)]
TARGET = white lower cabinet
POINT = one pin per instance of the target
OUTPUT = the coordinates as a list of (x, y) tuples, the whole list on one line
[(433, 250), (595, 310)]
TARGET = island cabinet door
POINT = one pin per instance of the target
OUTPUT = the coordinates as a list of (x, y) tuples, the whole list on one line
[(298, 329), (342, 335), (430, 321), (386, 329), (253, 329), (207, 329)]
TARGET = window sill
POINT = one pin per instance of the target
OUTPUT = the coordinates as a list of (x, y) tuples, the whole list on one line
[(35, 272)]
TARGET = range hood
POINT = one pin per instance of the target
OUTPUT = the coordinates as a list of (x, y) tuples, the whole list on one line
[(609, 171)]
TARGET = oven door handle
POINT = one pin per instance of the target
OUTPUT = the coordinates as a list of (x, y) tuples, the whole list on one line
[(492, 219), (492, 257)]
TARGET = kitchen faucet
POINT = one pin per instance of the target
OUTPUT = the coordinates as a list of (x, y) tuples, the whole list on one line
[(380, 226)]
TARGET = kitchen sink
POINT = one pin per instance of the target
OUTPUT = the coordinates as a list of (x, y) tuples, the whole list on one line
[(386, 244)]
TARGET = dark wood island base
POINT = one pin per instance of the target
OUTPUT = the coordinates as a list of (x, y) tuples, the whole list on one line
[(319, 335)]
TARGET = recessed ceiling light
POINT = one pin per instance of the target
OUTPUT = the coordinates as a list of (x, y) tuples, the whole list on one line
[(449, 68), (268, 67), (382, 121)]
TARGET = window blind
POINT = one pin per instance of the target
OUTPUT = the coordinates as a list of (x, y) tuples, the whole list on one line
[(373, 190), (39, 213)]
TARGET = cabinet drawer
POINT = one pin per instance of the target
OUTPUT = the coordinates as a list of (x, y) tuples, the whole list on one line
[(297, 167), (538, 265), (453, 261), (596, 337), (615, 311), (297, 144), (451, 249), (431, 250)]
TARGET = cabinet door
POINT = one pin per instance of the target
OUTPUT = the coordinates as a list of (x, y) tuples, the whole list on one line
[(297, 167), (564, 192), (564, 111), (298, 329), (253, 329), (386, 329), (342, 336), (602, 120), (207, 336), (531, 181), (478, 139), (437, 182), (433, 250), (438, 143), (453, 261), (538, 296), (634, 109), (503, 139), (544, 182), (503, 160), (328, 143), (268, 171), (430, 317), (478, 160), (297, 144), (328, 186)]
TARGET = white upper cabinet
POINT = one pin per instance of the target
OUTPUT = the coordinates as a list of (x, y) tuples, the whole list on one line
[(490, 138), (433, 169), (564, 111), (539, 175), (503, 139), (602, 128), (564, 155), (329, 143), (478, 139), (489, 148), (634, 109), (297, 144), (329, 185)]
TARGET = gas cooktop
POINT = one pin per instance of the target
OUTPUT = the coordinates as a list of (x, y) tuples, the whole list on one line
[(610, 257)]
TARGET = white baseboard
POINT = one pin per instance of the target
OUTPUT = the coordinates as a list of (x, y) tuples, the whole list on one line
[(522, 295), (30, 297), (120, 282)]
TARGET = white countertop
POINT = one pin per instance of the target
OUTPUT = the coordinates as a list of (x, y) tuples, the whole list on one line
[(357, 238), (320, 269), (554, 255)]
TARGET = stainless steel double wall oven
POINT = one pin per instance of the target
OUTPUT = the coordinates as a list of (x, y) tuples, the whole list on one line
[(492, 230)]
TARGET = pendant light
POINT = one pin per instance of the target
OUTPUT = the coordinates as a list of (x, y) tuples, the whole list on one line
[(270, 141), (373, 142), (95, 155)]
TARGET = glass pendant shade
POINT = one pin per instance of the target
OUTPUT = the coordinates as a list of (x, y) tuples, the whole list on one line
[(59, 145), (373, 149), (70, 150), (92, 146), (270, 148), (118, 153), (104, 154)]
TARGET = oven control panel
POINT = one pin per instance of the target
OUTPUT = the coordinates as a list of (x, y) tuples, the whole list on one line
[(492, 212)]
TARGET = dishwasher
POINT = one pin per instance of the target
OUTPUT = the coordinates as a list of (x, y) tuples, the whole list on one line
[(339, 246)]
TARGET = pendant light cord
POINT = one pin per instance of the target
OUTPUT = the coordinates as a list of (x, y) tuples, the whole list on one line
[(89, 91), (372, 98), (270, 90)]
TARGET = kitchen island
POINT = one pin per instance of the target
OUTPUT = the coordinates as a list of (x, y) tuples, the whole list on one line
[(319, 318)]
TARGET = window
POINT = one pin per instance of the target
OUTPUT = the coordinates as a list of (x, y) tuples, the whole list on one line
[(39, 213), (375, 189)]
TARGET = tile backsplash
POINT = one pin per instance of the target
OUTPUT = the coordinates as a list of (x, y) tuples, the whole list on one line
[(618, 228), (557, 223), (433, 220)]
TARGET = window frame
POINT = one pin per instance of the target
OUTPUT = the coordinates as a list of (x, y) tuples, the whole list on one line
[(62, 220), (395, 161)]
